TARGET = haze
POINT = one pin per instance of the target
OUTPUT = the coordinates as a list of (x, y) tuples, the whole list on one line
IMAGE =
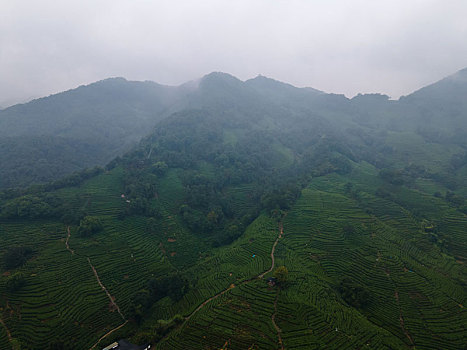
[(392, 47)]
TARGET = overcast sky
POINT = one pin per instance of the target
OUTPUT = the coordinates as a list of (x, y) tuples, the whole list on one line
[(340, 46)]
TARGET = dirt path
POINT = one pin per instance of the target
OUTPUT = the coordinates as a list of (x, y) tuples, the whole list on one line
[(67, 239), (112, 301), (281, 232), (401, 320), (105, 290), (273, 320), (232, 286), (8, 334), (108, 333)]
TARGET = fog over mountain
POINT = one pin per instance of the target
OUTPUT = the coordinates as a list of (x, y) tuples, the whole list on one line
[(247, 174), (391, 47), (53, 136), (226, 213)]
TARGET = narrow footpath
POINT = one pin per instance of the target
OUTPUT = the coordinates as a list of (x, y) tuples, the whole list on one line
[(112, 301), (401, 320), (67, 240), (108, 333), (105, 290), (260, 276), (273, 250), (273, 320), (8, 334)]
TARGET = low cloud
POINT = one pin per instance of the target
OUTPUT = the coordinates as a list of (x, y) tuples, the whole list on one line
[(393, 47)]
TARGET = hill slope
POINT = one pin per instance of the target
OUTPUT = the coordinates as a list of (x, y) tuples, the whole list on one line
[(183, 231), (54, 136)]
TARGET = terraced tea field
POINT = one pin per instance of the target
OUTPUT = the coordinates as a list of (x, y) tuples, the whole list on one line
[(416, 296), (416, 286), (62, 299)]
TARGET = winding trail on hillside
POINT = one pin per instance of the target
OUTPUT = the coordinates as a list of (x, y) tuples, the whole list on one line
[(401, 320), (8, 334), (276, 327), (232, 286), (67, 240), (112, 301), (108, 333), (273, 250)]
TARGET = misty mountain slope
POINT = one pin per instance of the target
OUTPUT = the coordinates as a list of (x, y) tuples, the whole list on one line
[(102, 120), (438, 111), (79, 128), (101, 102), (92, 124), (369, 222)]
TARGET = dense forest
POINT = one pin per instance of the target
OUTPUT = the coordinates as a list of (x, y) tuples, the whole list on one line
[(230, 214)]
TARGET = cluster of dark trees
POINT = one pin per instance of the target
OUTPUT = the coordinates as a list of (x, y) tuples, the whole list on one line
[(405, 176), (354, 294), (408, 175), (43, 205), (40, 159), (140, 189), (73, 179), (16, 256), (156, 332), (173, 286), (31, 207), (192, 138), (40, 201), (15, 282), (89, 226)]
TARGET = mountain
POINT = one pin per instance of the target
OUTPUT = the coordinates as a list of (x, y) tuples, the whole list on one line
[(249, 215), (50, 137), (440, 110)]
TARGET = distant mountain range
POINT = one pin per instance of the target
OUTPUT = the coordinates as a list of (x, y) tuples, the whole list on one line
[(53, 136), (235, 215)]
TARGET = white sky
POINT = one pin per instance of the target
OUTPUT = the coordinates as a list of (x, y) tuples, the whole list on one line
[(340, 46)]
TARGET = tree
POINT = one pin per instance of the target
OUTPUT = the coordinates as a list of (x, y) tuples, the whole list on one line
[(159, 168), (16, 257), (282, 275), (89, 225), (354, 294), (15, 282)]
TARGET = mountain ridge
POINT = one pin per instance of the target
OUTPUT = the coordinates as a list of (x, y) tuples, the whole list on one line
[(359, 203), (119, 112)]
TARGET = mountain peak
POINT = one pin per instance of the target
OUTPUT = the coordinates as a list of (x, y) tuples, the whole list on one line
[(218, 81), (262, 83), (220, 76)]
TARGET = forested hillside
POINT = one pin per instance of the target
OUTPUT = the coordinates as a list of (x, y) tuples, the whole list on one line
[(356, 207), (50, 137)]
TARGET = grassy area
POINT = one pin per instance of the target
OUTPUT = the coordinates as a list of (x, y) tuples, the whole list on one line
[(416, 298), (415, 284)]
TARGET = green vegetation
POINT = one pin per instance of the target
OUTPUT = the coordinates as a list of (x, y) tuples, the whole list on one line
[(89, 225), (357, 212), (51, 137), (353, 294), (282, 275), (15, 257), (15, 282)]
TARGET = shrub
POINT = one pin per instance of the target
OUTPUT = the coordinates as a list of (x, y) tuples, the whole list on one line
[(89, 226), (16, 257), (15, 282)]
